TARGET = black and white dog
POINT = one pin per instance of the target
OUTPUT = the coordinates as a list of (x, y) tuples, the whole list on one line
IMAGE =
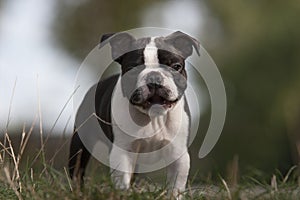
[(151, 87)]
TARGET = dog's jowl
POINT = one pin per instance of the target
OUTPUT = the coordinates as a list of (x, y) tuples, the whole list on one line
[(143, 111)]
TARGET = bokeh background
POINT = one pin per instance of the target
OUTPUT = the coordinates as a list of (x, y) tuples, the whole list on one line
[(255, 44)]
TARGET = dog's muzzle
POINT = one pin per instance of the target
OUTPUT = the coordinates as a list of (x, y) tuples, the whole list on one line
[(153, 92)]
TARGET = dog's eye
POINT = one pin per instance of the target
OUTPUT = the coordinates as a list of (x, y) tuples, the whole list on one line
[(177, 66)]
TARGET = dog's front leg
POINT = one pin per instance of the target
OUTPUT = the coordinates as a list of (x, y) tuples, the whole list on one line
[(121, 167), (177, 174)]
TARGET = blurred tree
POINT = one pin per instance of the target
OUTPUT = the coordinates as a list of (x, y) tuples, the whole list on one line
[(260, 60), (80, 25)]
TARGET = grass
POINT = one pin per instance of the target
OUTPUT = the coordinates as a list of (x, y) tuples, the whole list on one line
[(38, 179)]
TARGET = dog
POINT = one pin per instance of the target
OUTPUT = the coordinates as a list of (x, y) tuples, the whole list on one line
[(149, 92)]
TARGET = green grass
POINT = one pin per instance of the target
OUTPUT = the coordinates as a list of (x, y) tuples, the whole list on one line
[(36, 178), (54, 185), (48, 183)]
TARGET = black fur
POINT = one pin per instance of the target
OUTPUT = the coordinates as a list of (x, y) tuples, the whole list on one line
[(79, 155)]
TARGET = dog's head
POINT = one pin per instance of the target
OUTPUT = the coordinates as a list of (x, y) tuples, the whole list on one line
[(153, 69)]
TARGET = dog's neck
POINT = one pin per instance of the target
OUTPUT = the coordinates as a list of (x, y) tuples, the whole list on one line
[(133, 119), (167, 120)]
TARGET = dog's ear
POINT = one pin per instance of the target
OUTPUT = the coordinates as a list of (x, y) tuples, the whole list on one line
[(183, 43), (121, 43), (105, 37)]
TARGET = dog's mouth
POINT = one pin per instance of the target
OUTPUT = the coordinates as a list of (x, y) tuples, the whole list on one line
[(146, 99), (159, 100)]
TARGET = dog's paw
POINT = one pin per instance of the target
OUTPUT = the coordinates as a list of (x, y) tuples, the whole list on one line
[(121, 182)]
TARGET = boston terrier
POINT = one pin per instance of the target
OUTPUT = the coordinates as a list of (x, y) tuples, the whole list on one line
[(149, 92)]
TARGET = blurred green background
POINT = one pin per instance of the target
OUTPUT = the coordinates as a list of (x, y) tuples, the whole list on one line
[(256, 46)]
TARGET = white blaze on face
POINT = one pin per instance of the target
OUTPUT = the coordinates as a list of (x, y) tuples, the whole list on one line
[(150, 54), (151, 63)]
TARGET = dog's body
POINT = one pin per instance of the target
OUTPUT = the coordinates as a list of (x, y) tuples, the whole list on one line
[(143, 111)]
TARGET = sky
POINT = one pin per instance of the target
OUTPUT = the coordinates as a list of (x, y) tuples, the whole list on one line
[(41, 72)]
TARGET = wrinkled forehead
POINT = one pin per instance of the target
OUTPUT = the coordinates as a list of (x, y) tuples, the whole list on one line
[(151, 52)]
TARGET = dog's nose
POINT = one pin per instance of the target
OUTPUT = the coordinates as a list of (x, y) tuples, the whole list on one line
[(154, 79), (153, 86)]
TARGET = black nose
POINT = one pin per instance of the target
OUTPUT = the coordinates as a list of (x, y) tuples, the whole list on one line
[(154, 79), (153, 86)]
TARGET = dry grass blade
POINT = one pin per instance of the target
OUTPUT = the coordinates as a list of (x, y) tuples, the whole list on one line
[(51, 161), (31, 174), (161, 194), (22, 141), (88, 118), (189, 190), (76, 173), (102, 120), (40, 121), (233, 172), (84, 122), (16, 174), (11, 183), (20, 149), (23, 146), (227, 188), (68, 179), (59, 115), (8, 116), (274, 183), (6, 149), (10, 105), (52, 128), (289, 173)]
